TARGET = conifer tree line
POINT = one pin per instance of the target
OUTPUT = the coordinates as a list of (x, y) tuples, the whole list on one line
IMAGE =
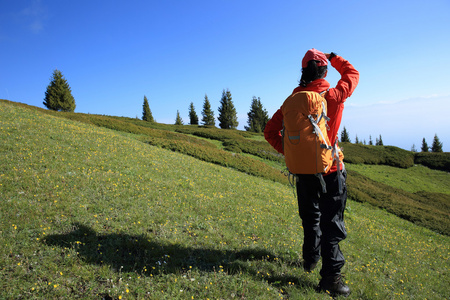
[(257, 116), (435, 147), (58, 97), (345, 137)]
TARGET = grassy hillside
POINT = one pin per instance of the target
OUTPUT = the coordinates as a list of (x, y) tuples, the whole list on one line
[(415, 179), (249, 153), (87, 212)]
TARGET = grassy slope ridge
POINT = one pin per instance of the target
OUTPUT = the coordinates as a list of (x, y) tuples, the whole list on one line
[(422, 208), (86, 212)]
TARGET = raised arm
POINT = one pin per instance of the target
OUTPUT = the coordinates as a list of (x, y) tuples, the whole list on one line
[(272, 131), (349, 79)]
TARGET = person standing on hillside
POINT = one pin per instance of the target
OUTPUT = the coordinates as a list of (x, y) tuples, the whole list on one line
[(322, 213)]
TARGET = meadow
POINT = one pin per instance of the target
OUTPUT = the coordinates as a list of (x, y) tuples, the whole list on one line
[(93, 213)]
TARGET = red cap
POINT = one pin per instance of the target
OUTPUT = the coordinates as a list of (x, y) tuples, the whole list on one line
[(314, 54)]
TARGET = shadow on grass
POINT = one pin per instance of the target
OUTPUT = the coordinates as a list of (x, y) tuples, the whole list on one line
[(138, 254)]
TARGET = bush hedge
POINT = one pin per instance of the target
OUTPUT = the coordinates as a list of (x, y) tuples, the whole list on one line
[(438, 161), (377, 155), (236, 141), (214, 133)]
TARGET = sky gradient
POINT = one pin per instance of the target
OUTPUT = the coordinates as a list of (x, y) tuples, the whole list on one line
[(112, 53)]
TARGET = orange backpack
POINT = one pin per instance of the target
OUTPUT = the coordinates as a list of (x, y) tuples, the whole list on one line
[(307, 148)]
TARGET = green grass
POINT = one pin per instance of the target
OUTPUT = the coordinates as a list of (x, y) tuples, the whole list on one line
[(417, 194), (415, 179), (88, 212), (423, 208)]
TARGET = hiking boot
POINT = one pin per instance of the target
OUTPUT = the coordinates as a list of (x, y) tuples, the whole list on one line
[(334, 285), (309, 266)]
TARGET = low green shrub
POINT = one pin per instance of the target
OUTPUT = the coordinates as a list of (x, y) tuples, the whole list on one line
[(261, 149), (437, 161), (236, 141), (377, 155), (232, 147), (214, 133)]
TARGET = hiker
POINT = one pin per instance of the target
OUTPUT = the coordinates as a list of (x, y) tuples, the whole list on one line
[(321, 202)]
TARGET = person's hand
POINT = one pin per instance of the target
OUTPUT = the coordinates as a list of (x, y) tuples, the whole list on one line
[(327, 55)]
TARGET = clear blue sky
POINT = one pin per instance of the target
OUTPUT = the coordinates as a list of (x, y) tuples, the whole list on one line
[(114, 52)]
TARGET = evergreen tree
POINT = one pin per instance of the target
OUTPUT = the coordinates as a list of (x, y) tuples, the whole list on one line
[(345, 137), (356, 140), (379, 141), (257, 116), (146, 112), (227, 112), (58, 95), (370, 140), (437, 145), (413, 148), (424, 146), (178, 120), (193, 115), (207, 113)]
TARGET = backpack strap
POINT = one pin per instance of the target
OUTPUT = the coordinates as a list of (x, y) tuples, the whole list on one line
[(318, 132), (324, 114), (324, 109), (315, 123)]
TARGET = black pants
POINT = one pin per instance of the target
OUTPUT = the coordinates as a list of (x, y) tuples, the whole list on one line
[(322, 217)]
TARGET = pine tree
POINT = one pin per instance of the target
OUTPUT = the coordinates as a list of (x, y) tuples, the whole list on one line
[(379, 141), (370, 140), (257, 116), (146, 112), (178, 120), (58, 95), (193, 115), (413, 148), (345, 137), (424, 146), (437, 145), (227, 112), (207, 113), (356, 140)]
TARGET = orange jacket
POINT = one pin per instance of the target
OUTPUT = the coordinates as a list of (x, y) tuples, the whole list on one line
[(335, 101)]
